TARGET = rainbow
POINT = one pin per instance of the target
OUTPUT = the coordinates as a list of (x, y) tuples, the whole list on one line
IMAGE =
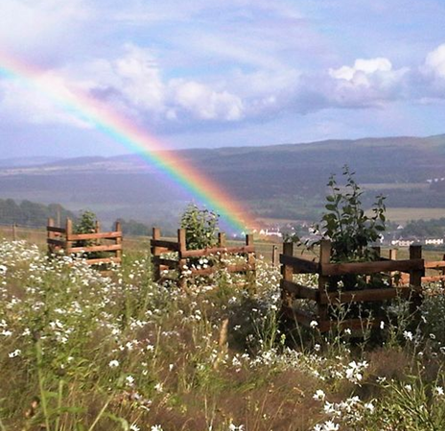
[(132, 137)]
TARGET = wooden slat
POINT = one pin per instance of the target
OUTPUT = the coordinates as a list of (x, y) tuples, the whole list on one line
[(300, 290), (89, 249), (170, 263), (366, 295), (440, 264), (92, 236), (214, 250), (169, 245), (57, 242), (302, 265), (230, 268), (303, 317), (353, 324), (103, 260), (372, 267), (433, 278), (56, 229)]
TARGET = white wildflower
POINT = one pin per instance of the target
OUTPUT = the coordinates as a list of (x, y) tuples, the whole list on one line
[(113, 364)]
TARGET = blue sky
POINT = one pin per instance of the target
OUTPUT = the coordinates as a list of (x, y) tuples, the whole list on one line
[(207, 73)]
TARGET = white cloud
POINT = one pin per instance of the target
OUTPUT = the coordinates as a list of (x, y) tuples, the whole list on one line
[(435, 62), (367, 67)]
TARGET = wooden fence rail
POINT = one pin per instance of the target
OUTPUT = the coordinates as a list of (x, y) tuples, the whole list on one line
[(181, 262), (63, 239), (328, 293)]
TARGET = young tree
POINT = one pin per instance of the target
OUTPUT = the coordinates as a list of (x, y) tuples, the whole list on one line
[(201, 227)]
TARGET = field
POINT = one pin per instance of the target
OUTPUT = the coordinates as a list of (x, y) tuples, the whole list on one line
[(403, 215), (81, 351)]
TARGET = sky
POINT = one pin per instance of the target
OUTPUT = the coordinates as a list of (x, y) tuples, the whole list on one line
[(208, 73)]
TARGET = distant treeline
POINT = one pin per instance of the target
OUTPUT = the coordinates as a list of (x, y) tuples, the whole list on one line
[(35, 215), (434, 228), (31, 214)]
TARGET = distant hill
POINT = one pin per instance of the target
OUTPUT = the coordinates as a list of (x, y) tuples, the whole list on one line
[(278, 181)]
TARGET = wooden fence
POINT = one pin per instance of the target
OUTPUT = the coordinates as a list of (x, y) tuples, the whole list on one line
[(181, 263), (327, 294), (431, 266), (62, 239)]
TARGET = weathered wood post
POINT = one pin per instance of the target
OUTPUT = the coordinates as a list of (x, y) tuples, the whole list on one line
[(69, 234), (182, 245), (14, 231), (274, 255), (287, 273), (50, 235), (156, 235), (415, 278), (118, 228), (325, 258), (222, 240), (393, 256)]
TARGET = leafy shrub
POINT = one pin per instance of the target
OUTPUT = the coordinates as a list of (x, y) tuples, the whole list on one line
[(86, 224), (349, 229), (345, 223), (201, 226)]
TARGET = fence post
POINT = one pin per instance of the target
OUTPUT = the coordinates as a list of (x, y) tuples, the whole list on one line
[(325, 258), (250, 256), (14, 232), (443, 273), (69, 233), (287, 273), (415, 278), (274, 255), (221, 239), (393, 256), (182, 243), (97, 226), (118, 228), (50, 235), (154, 253)]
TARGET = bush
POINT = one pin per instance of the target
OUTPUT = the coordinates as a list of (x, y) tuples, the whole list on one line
[(201, 226)]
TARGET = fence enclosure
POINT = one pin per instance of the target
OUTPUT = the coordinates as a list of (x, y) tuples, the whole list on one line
[(62, 239), (181, 262), (326, 295)]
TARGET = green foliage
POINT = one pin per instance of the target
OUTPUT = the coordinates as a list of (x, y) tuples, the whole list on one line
[(86, 223), (345, 223), (32, 214), (201, 226)]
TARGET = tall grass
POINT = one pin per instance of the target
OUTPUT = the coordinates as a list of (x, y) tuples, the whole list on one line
[(80, 351)]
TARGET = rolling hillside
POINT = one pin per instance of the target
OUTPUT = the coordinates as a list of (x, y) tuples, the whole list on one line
[(278, 181)]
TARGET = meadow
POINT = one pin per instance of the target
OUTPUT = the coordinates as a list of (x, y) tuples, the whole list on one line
[(82, 351)]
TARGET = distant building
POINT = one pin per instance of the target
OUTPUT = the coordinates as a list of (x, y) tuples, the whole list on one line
[(434, 241)]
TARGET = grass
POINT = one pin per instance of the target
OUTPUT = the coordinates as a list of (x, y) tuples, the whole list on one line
[(403, 215), (84, 352)]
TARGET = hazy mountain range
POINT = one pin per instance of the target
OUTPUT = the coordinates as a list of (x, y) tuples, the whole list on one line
[(277, 181)]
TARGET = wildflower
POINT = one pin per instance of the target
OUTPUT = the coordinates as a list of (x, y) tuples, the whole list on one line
[(129, 380), (319, 395), (113, 364), (317, 347), (156, 428), (369, 406), (134, 427), (438, 391), (408, 335), (15, 353), (330, 426), (409, 388), (313, 324), (233, 427), (158, 387), (382, 325)]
